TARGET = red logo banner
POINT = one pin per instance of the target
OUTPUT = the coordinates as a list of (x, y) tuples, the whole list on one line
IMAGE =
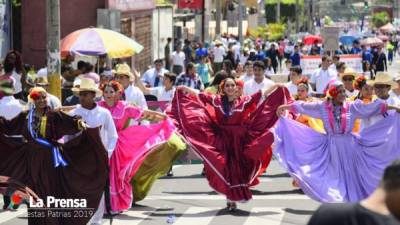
[(190, 4)]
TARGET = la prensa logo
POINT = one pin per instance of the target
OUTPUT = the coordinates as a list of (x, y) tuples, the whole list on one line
[(52, 202)]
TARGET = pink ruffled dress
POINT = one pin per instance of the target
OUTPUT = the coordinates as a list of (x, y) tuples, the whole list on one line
[(133, 145)]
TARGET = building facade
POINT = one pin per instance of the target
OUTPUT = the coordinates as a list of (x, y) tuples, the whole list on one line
[(136, 22)]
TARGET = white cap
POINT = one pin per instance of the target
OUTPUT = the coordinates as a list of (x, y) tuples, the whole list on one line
[(42, 72), (77, 82)]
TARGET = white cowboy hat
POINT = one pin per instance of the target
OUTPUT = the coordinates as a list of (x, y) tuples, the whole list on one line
[(88, 85), (383, 78)]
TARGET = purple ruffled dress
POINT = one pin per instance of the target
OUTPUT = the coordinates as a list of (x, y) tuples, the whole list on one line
[(339, 166)]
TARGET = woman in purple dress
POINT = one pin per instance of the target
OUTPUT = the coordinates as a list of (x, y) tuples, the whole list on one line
[(338, 166)]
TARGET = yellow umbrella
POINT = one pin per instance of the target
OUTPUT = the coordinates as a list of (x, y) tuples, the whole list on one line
[(98, 41)]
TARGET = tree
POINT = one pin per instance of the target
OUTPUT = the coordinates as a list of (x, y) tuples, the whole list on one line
[(380, 19)]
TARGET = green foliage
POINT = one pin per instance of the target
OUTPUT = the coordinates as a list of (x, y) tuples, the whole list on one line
[(272, 31), (286, 2), (328, 21), (287, 12), (380, 19), (16, 3), (276, 31)]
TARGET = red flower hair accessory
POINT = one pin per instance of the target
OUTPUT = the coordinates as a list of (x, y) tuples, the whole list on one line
[(303, 80), (36, 92), (360, 82), (240, 83)]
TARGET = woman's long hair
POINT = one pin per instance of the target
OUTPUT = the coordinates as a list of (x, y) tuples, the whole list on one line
[(226, 106), (18, 66)]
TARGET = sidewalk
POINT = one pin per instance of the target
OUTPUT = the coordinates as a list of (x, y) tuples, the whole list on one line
[(394, 69)]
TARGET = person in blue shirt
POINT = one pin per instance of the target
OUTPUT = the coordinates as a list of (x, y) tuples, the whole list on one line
[(366, 54), (260, 53), (356, 48), (200, 52), (295, 57)]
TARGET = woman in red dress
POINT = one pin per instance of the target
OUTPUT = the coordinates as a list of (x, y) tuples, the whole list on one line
[(230, 133)]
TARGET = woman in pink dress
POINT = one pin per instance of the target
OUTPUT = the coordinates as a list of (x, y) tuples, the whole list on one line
[(134, 142)]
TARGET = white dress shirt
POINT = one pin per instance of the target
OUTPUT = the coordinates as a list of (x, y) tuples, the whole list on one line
[(321, 78), (133, 95), (178, 59), (374, 119), (10, 107), (149, 77), (99, 117), (162, 94), (219, 53), (291, 87), (394, 98), (246, 78), (251, 86)]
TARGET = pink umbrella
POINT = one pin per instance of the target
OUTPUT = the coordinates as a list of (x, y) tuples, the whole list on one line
[(372, 41), (387, 28), (383, 37), (311, 39)]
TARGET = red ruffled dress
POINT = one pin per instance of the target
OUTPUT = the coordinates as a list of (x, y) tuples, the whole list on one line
[(232, 147)]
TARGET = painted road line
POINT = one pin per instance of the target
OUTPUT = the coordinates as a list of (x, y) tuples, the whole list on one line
[(265, 215), (221, 197), (197, 215), (135, 217), (9, 215)]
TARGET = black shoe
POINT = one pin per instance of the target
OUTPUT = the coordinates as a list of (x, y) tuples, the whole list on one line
[(170, 173)]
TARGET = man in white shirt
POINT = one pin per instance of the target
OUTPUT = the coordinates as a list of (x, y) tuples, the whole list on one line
[(178, 60), (154, 77), (219, 53), (9, 106), (259, 82), (249, 75), (382, 84), (322, 76), (96, 116), (164, 93), (132, 94), (295, 75)]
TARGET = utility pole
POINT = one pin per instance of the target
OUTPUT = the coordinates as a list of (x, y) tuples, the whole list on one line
[(218, 19), (262, 20), (278, 11), (296, 11), (53, 47), (240, 28)]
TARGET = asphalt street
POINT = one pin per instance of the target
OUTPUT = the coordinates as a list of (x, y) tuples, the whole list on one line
[(186, 199)]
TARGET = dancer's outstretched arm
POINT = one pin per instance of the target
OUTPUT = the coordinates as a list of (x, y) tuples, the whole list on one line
[(153, 115), (188, 90), (390, 107), (267, 92)]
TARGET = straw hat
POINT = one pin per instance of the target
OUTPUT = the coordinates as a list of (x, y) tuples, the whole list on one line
[(348, 72), (218, 42), (383, 78), (87, 85), (124, 69), (41, 81)]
